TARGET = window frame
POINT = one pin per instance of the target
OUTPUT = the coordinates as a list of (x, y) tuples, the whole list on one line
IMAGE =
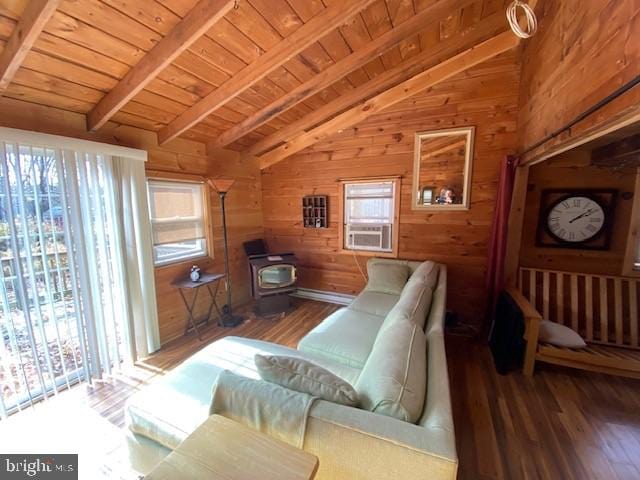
[(631, 266), (206, 214), (395, 226)]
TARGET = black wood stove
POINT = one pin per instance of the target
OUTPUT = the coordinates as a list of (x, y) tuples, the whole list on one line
[(273, 277)]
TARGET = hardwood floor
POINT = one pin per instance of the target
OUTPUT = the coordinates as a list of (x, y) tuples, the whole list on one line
[(560, 424)]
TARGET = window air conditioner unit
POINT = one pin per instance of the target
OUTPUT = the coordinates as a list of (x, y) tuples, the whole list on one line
[(369, 237)]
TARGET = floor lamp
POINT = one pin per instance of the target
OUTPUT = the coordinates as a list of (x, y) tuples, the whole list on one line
[(222, 186)]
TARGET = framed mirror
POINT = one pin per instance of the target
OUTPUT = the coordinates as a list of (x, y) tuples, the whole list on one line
[(442, 169)]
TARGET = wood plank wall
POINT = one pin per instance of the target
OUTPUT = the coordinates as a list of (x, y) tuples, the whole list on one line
[(583, 51), (180, 157), (573, 170), (485, 96), (244, 222)]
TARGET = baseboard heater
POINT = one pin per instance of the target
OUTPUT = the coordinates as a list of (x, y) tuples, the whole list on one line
[(324, 296)]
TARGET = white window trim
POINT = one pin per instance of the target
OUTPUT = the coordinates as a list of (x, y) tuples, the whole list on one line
[(396, 216), (208, 254), (631, 266)]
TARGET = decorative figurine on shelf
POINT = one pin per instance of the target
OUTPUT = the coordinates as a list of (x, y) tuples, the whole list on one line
[(195, 273)]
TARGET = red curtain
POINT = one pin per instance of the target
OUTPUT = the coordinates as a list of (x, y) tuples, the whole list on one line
[(498, 240)]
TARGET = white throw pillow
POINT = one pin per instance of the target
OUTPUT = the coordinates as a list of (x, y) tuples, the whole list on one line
[(559, 335), (306, 377), (387, 277)]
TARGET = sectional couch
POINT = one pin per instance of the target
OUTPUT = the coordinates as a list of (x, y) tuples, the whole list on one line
[(403, 428)]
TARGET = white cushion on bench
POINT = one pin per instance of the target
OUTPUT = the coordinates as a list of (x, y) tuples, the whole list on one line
[(559, 335)]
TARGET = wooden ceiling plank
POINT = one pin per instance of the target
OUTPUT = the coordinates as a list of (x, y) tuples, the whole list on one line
[(378, 22), (34, 95), (110, 20), (432, 76), (425, 59), (200, 19), (338, 70), (314, 29), (400, 11), (279, 14), (30, 25), (357, 36), (87, 36)]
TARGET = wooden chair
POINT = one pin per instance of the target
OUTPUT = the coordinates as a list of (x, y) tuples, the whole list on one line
[(603, 309)]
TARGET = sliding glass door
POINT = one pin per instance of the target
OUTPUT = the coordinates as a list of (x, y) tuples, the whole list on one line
[(61, 276)]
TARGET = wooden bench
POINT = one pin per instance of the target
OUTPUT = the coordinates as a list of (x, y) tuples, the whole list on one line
[(602, 309)]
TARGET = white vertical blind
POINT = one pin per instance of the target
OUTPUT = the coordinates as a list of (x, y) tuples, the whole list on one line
[(369, 203), (65, 315)]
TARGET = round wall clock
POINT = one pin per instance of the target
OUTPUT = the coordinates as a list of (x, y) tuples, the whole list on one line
[(575, 219)]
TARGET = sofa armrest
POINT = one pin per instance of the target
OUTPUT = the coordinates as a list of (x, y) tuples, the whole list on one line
[(532, 328), (360, 445)]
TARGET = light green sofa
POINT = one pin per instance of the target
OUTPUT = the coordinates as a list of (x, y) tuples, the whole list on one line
[(351, 443)]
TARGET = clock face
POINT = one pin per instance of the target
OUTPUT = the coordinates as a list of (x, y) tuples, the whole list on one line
[(575, 219)]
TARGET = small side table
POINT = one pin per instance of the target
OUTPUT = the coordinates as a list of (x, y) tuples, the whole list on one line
[(221, 449), (206, 280)]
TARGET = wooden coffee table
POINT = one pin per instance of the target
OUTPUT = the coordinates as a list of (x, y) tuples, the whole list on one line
[(221, 449)]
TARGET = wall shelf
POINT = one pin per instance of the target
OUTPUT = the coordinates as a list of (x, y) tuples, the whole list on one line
[(314, 211)]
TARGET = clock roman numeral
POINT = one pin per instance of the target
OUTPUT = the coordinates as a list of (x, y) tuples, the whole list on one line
[(566, 205), (576, 202)]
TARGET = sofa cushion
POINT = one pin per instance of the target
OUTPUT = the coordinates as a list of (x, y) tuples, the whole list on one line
[(305, 377), (170, 408), (415, 300), (346, 336), (426, 273), (393, 381), (375, 303), (386, 277)]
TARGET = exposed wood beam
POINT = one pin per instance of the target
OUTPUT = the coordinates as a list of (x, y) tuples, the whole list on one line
[(35, 16), (432, 76), (516, 223), (195, 24), (317, 27), (417, 23), (402, 71)]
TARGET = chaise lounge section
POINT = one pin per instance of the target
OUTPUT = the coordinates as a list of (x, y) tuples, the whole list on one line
[(388, 344)]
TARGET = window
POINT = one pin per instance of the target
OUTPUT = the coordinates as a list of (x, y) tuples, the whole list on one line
[(177, 220), (369, 216)]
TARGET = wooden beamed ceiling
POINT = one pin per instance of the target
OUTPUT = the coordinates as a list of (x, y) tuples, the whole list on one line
[(24, 35), (250, 75)]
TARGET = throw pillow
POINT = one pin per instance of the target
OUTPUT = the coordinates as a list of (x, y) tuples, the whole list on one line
[(387, 277), (305, 377), (559, 335)]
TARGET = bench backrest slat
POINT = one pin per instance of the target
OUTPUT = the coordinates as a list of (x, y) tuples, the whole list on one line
[(602, 308)]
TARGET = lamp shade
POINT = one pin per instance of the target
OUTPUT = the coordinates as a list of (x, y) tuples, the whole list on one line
[(221, 185)]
